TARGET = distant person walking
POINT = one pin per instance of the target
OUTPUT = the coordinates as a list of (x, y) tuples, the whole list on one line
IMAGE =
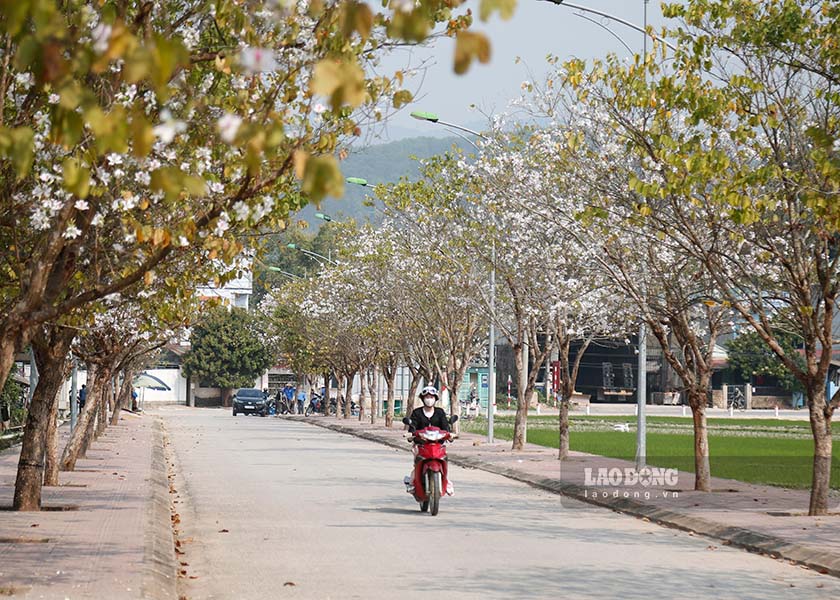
[(301, 400), (82, 396)]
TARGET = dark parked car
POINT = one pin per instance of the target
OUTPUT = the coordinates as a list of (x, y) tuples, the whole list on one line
[(250, 401)]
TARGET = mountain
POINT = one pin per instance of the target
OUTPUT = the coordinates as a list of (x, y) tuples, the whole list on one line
[(382, 163)]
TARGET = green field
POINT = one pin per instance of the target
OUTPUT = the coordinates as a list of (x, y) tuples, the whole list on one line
[(751, 450)]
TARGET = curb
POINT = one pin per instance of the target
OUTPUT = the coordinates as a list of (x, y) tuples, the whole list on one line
[(824, 562), (159, 572)]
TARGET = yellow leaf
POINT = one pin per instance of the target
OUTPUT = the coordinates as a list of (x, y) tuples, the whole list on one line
[(470, 45), (299, 158), (341, 80), (322, 177), (505, 8), (149, 277)]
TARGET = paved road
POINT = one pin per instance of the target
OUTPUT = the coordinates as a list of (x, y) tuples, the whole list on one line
[(273, 509)]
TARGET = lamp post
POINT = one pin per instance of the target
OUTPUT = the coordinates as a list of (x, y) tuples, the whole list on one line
[(315, 255), (641, 389), (282, 272), (491, 350)]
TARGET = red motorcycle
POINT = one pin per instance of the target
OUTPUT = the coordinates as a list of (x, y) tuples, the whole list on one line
[(430, 479)]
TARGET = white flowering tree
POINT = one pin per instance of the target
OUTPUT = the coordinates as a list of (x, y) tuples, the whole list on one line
[(628, 236), (732, 150), (441, 287), (113, 338), (744, 136), (133, 131)]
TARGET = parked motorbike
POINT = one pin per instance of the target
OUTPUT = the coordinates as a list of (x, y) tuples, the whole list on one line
[(315, 405), (430, 477), (354, 408), (283, 406)]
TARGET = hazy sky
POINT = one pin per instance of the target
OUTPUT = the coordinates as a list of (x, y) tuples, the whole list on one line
[(538, 28)]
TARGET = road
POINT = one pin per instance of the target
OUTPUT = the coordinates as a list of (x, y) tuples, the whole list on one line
[(271, 508)]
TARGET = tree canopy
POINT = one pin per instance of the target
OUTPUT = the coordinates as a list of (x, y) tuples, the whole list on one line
[(227, 349)]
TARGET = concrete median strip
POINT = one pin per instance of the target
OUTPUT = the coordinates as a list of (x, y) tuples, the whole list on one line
[(159, 562), (753, 541)]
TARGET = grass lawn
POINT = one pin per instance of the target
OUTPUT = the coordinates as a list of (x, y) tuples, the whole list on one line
[(784, 462)]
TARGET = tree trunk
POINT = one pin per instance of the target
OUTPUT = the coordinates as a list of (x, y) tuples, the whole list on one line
[(102, 414), (348, 395), (76, 445), (51, 450), (325, 401), (821, 430), (227, 395), (563, 425), (413, 384), (373, 389), (50, 350), (702, 470), (521, 423), (390, 383), (364, 384), (123, 397), (339, 392), (15, 336)]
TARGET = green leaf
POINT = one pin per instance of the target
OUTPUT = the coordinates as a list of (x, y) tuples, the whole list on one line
[(27, 53), (322, 177), (22, 151), (76, 177), (14, 14)]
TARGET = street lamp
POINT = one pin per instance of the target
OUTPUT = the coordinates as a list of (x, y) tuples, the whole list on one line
[(315, 255), (282, 272), (641, 395), (491, 351), (323, 216)]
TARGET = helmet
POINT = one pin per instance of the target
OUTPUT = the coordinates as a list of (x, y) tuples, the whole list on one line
[(429, 390)]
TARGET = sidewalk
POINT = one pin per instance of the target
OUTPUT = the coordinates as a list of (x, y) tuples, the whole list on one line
[(765, 519), (106, 530)]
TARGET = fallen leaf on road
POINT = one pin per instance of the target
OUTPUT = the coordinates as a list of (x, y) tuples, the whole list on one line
[(35, 525), (224, 531), (291, 583)]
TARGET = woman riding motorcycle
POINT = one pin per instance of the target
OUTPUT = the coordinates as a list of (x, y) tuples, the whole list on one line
[(424, 416), (428, 414)]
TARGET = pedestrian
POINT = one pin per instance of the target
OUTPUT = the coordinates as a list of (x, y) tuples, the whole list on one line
[(133, 399), (289, 392), (301, 400), (82, 396)]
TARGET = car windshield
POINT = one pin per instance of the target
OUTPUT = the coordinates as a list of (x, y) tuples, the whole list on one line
[(249, 393)]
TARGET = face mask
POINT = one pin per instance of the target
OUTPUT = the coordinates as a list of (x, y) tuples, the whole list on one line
[(429, 400)]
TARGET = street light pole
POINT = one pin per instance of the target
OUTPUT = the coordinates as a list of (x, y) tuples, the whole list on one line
[(641, 390), (491, 351), (315, 255)]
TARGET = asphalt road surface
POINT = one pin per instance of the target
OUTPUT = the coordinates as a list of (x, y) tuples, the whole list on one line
[(271, 508)]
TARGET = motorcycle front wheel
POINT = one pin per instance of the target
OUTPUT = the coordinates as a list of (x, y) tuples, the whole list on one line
[(433, 481)]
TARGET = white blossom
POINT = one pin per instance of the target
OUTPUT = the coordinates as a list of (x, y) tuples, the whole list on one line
[(258, 60), (228, 126)]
